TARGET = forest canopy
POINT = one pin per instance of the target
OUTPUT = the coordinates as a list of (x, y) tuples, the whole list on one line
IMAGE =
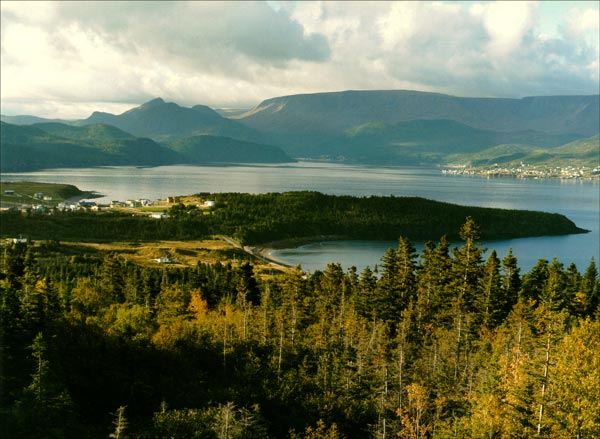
[(445, 345), (265, 218)]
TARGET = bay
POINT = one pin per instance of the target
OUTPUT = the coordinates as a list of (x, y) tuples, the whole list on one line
[(578, 200)]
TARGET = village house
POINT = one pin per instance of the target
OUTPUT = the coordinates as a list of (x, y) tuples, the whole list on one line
[(159, 215), (19, 240), (133, 203)]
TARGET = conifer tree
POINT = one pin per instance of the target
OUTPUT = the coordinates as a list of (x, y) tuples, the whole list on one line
[(467, 268), (590, 288), (511, 282), (491, 301)]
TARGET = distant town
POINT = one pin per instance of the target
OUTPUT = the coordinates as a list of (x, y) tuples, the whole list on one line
[(525, 170)]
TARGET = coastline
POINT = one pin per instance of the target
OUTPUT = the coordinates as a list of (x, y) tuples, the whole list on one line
[(265, 254), (83, 196)]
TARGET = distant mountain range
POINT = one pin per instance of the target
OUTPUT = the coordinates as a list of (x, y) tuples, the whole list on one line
[(372, 127), (57, 145), (398, 126)]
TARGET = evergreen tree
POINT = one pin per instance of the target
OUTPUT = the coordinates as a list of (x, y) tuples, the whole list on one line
[(511, 282), (533, 282), (466, 266), (491, 303), (590, 288), (45, 408)]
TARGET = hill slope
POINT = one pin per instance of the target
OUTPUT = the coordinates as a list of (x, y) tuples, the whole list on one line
[(369, 126), (160, 120), (54, 145), (580, 153), (421, 141), (206, 149), (333, 112)]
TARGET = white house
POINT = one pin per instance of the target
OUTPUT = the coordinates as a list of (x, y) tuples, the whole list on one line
[(159, 215)]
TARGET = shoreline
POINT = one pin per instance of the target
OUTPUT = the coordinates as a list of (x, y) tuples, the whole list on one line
[(265, 254), (83, 196)]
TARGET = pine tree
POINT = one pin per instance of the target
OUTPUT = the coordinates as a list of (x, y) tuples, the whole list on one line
[(511, 282), (467, 268), (491, 302), (590, 288)]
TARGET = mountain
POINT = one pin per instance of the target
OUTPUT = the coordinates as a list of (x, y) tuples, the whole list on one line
[(207, 149), (54, 145), (419, 141), (302, 123), (161, 120), (392, 127), (29, 120), (26, 148)]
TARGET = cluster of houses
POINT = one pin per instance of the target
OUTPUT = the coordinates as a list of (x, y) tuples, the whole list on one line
[(528, 171), (86, 205)]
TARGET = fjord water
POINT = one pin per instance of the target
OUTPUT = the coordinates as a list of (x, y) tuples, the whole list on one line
[(576, 199)]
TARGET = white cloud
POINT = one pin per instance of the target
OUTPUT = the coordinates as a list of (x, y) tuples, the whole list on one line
[(506, 24), (237, 54), (583, 21)]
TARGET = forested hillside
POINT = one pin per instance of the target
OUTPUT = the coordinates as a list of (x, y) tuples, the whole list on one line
[(304, 216), (444, 346), (57, 145)]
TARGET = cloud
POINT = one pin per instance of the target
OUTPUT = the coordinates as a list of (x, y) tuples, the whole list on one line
[(68, 55)]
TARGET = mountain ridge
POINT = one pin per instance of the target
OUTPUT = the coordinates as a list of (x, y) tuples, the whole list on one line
[(162, 121), (377, 127), (287, 113)]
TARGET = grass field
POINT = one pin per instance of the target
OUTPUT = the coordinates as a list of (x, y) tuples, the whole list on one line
[(24, 192), (181, 253)]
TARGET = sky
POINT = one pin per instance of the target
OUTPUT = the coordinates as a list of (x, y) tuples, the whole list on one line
[(68, 59)]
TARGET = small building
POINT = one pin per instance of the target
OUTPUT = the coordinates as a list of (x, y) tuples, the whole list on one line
[(164, 260), (38, 195), (39, 208), (133, 203), (19, 240), (159, 215), (9, 192), (47, 198), (145, 202), (173, 199), (209, 203)]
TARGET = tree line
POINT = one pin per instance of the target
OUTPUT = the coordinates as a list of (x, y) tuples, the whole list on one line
[(264, 218), (443, 345)]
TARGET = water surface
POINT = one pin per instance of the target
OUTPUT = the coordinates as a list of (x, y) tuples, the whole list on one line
[(578, 200)]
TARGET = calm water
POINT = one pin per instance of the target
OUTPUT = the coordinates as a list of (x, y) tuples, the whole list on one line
[(578, 200)]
